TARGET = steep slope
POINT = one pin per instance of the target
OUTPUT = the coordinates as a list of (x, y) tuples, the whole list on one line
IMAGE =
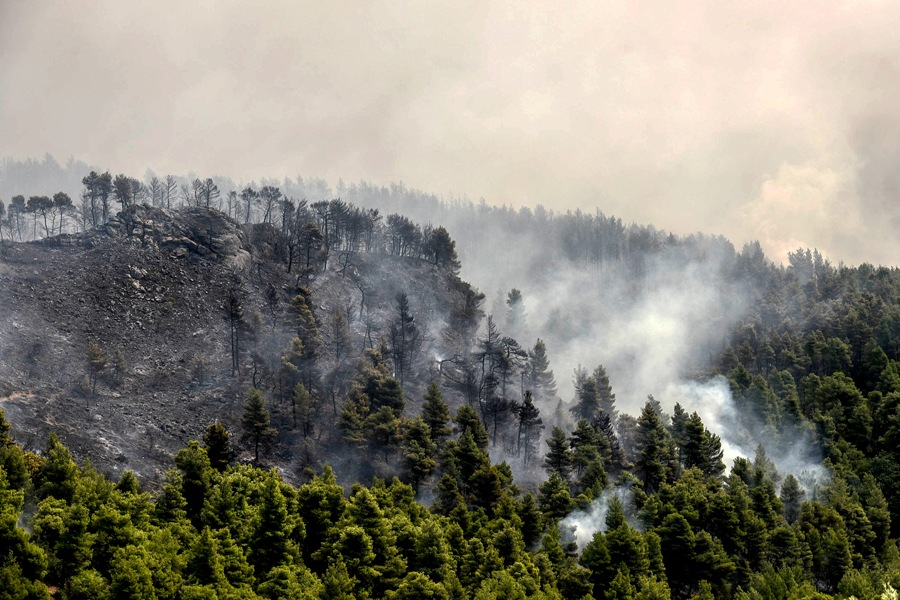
[(150, 289)]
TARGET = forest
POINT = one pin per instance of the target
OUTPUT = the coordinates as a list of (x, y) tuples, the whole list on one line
[(735, 433)]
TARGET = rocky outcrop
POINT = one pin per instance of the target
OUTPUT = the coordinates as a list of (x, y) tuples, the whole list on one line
[(190, 233)]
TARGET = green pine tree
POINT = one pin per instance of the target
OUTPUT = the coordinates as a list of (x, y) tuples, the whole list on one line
[(436, 415), (255, 423), (217, 441), (559, 457)]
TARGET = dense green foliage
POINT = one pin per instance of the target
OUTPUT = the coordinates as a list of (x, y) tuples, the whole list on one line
[(237, 531)]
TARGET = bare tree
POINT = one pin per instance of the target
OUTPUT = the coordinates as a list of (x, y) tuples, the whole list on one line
[(207, 193), (96, 363), (169, 191), (155, 189), (406, 338), (232, 204), (62, 205), (15, 211), (249, 197), (234, 312), (269, 196)]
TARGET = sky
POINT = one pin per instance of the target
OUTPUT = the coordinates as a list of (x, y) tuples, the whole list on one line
[(763, 120)]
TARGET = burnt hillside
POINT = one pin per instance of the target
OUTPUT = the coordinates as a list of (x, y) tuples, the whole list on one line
[(151, 290)]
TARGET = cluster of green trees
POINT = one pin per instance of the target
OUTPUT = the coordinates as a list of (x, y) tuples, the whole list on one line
[(817, 357), (220, 529)]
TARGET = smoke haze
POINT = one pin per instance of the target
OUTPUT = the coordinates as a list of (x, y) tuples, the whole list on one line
[(583, 524), (756, 121)]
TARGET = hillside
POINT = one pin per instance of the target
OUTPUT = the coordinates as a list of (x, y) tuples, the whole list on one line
[(731, 425), (150, 288)]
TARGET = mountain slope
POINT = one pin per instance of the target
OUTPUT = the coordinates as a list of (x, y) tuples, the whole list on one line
[(150, 289)]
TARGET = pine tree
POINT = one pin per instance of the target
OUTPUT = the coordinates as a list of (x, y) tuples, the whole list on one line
[(88, 584), (540, 377), (383, 432), (587, 398), (677, 544), (321, 505), (12, 457), (337, 582), (5, 427), (371, 414), (529, 427), (255, 423), (654, 449), (204, 564), (467, 421), (436, 415), (559, 457), (530, 516), (585, 447), (713, 453), (352, 422), (497, 410), (441, 247), (273, 529), (607, 399), (374, 387), (302, 410), (626, 546), (791, 498), (657, 406), (193, 462), (217, 441), (406, 338), (128, 483), (364, 512), (24, 564), (58, 472), (678, 427), (612, 451), (464, 458), (419, 452), (515, 312), (595, 558), (131, 576), (308, 334), (486, 357), (554, 497), (234, 312), (693, 452)]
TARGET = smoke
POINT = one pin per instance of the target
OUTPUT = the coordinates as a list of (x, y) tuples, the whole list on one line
[(791, 453), (648, 328), (581, 525), (687, 126), (713, 400)]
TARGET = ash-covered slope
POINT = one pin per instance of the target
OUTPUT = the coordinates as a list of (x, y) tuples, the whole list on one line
[(150, 290)]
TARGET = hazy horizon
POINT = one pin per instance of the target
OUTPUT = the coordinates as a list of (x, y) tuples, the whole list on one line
[(755, 121)]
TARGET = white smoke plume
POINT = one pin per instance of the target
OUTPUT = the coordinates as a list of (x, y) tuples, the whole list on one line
[(713, 401), (581, 525)]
